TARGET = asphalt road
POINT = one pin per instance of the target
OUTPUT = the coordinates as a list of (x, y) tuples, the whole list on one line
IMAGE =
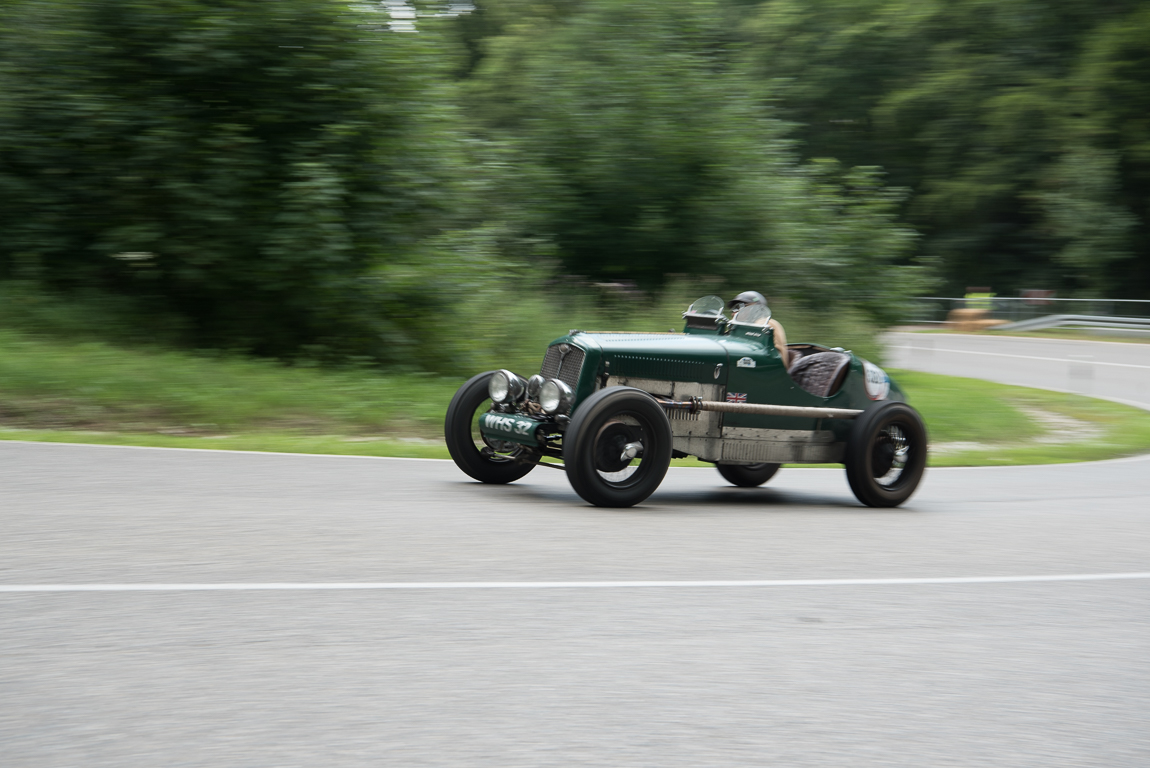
[(1029, 673), (1112, 370)]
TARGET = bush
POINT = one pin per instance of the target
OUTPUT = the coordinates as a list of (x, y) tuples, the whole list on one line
[(645, 147), (242, 165)]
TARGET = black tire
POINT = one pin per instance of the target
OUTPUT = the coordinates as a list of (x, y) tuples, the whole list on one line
[(468, 448), (747, 475), (886, 454), (592, 447)]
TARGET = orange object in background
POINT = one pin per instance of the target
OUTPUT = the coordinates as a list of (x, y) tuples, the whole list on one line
[(971, 320)]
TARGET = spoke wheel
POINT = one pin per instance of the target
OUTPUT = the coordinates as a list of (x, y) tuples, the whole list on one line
[(618, 447), (886, 454), (488, 461)]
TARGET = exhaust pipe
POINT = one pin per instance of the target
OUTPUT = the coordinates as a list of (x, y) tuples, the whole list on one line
[(696, 404)]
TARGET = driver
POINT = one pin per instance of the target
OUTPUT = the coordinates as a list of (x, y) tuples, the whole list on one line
[(754, 297)]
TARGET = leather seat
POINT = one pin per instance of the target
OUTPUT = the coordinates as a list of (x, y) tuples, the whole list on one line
[(822, 374)]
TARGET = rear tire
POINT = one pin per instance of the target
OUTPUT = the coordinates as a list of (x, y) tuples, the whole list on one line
[(601, 428), (466, 445), (747, 475), (886, 454)]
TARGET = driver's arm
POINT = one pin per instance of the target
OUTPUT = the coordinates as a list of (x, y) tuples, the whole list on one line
[(780, 341)]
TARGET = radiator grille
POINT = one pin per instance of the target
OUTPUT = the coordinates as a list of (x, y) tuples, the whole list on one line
[(563, 366)]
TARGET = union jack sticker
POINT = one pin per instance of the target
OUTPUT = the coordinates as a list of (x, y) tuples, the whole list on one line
[(736, 397)]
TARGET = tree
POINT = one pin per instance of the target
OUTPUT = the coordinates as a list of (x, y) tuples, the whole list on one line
[(1111, 105), (977, 107), (643, 148), (248, 166)]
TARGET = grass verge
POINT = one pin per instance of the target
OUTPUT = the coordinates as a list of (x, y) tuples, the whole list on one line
[(980, 423), (92, 392)]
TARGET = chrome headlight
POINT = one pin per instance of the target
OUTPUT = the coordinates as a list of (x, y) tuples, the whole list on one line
[(505, 387), (555, 396), (533, 385)]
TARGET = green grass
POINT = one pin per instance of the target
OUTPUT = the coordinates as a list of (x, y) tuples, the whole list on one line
[(94, 386), (967, 410), (997, 417), (93, 392), (266, 442)]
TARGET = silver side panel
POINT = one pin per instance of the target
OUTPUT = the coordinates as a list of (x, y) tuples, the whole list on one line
[(774, 446), (683, 424), (780, 435), (703, 435)]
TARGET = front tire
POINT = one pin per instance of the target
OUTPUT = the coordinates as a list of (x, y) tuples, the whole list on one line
[(466, 445), (747, 475), (595, 446), (886, 454)]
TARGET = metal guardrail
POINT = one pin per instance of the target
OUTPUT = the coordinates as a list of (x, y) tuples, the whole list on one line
[(1138, 324), (933, 310)]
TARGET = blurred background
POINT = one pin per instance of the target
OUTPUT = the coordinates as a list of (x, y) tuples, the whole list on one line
[(300, 225), (434, 189)]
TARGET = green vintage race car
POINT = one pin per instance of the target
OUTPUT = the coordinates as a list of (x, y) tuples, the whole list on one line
[(617, 407)]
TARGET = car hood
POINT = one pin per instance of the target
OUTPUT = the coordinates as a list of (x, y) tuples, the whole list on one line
[(678, 344), (667, 356)]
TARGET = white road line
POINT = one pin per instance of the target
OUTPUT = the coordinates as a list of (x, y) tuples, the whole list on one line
[(1134, 403), (1019, 357), (379, 585), (5, 441)]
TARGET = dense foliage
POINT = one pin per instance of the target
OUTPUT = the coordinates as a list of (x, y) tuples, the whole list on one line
[(646, 148), (294, 178), (1023, 128), (246, 170)]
